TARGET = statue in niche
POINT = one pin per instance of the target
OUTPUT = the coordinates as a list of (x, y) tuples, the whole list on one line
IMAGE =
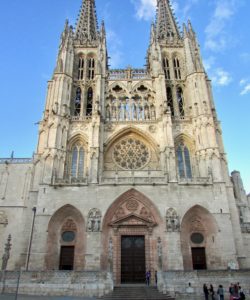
[(140, 111), (146, 112), (159, 252), (6, 255), (172, 220), (153, 115), (108, 114), (134, 111), (113, 111), (94, 220)]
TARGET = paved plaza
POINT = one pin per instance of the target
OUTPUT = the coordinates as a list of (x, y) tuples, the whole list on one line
[(22, 297)]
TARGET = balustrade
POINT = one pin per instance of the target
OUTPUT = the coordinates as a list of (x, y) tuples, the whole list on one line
[(130, 110)]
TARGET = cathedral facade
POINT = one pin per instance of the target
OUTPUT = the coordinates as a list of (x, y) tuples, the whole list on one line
[(130, 172)]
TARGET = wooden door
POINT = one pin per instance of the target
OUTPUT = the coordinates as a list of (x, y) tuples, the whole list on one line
[(133, 259), (199, 259), (67, 258)]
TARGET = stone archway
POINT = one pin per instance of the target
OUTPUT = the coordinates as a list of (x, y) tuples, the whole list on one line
[(131, 215), (67, 220), (198, 234)]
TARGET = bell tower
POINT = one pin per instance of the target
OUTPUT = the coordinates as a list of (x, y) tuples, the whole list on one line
[(68, 147)]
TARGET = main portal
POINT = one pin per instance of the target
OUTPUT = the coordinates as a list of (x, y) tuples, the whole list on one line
[(133, 259)]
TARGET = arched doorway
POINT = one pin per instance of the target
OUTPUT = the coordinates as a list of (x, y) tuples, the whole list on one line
[(66, 240), (198, 239), (131, 229)]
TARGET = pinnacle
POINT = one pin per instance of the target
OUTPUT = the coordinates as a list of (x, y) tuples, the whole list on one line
[(87, 28)]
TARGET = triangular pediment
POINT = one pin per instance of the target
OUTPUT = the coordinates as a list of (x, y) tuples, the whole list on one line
[(132, 220)]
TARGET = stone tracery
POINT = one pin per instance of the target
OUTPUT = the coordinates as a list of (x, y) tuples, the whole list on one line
[(94, 220)]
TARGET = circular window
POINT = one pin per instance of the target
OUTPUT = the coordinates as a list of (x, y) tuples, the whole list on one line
[(131, 154), (197, 238), (68, 236)]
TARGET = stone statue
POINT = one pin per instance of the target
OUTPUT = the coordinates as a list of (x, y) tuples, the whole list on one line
[(159, 252), (94, 220), (172, 220), (6, 254)]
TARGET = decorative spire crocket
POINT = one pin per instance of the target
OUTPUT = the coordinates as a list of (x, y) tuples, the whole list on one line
[(87, 27), (166, 25)]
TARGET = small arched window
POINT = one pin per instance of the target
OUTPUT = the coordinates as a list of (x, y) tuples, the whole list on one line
[(77, 102), (166, 68), (177, 68), (80, 68), (180, 100), (77, 161), (183, 160), (89, 107), (91, 68), (170, 100)]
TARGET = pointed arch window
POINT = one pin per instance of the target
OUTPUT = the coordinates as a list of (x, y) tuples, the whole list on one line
[(183, 161), (180, 100), (80, 68), (166, 68), (77, 102), (77, 161), (177, 68), (170, 100), (91, 68), (89, 107)]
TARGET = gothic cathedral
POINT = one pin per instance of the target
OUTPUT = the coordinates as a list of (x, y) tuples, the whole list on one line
[(130, 172)]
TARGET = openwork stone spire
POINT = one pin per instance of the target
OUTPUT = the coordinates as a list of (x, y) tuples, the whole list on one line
[(87, 28), (166, 26)]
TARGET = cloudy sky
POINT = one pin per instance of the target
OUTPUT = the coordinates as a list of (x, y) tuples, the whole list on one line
[(30, 32)]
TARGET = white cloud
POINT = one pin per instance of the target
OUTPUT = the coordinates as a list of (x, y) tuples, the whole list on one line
[(245, 85), (221, 77), (216, 36), (246, 90), (145, 9), (208, 63)]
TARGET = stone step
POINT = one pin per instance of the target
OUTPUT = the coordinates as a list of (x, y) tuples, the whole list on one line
[(136, 293)]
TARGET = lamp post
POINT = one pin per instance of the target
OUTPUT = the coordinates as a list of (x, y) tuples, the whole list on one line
[(31, 238)]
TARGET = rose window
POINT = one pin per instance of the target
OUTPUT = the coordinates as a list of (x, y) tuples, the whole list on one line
[(131, 154)]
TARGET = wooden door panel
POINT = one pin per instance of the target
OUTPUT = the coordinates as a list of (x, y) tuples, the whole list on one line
[(67, 258), (199, 258)]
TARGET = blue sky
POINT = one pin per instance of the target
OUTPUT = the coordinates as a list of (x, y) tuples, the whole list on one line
[(30, 32)]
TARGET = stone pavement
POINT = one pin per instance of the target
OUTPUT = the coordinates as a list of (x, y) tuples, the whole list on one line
[(22, 297)]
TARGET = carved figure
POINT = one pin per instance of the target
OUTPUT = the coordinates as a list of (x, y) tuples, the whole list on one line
[(94, 220), (6, 254), (159, 252), (172, 220)]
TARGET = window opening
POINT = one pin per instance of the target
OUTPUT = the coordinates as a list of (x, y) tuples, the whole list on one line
[(184, 163), (166, 68), (170, 102), (81, 68), (77, 163), (177, 68), (89, 102), (91, 68), (180, 101), (77, 104)]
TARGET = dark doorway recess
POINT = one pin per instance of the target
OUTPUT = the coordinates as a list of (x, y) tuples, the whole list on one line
[(67, 258), (133, 259), (199, 258)]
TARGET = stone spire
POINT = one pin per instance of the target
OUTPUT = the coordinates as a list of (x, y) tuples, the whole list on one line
[(166, 25), (87, 28)]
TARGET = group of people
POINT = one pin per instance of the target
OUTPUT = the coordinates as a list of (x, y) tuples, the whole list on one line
[(235, 292)]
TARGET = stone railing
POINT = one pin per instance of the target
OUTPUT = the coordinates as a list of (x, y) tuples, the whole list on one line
[(58, 283), (70, 181), (16, 160), (196, 180), (80, 118), (135, 177), (128, 74)]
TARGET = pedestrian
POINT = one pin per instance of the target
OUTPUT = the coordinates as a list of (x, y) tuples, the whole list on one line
[(211, 291), (231, 291), (205, 291), (148, 276), (156, 278), (241, 294), (220, 292)]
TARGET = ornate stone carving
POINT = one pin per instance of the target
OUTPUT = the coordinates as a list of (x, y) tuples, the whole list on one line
[(94, 220), (159, 252), (69, 225), (3, 218), (119, 213), (132, 205), (172, 220), (145, 213), (131, 154), (196, 225)]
